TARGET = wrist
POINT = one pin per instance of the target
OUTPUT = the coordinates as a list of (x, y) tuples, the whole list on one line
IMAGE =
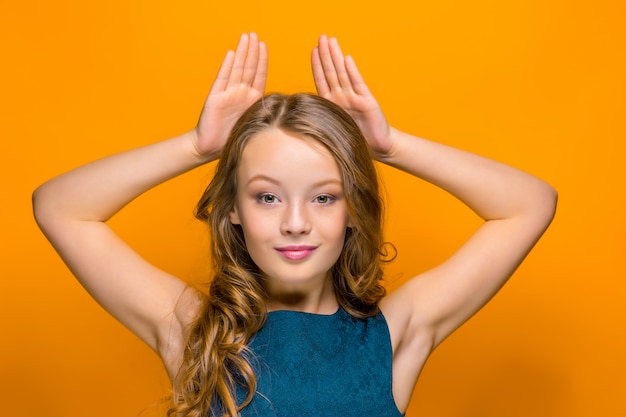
[(200, 153), (388, 155)]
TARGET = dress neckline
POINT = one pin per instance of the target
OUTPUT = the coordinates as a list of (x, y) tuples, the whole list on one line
[(305, 313)]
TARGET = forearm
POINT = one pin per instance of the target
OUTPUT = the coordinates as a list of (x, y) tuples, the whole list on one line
[(492, 189), (96, 191)]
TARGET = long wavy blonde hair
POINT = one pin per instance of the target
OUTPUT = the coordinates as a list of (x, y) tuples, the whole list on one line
[(216, 358)]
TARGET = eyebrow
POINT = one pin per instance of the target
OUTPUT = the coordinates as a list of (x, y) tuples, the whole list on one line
[(261, 177)]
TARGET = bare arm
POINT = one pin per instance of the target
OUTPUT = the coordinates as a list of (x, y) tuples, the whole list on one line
[(72, 209), (516, 207)]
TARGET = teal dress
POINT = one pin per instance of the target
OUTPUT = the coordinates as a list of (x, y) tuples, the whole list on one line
[(310, 365)]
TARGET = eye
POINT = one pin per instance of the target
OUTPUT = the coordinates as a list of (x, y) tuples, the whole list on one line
[(324, 199), (268, 198)]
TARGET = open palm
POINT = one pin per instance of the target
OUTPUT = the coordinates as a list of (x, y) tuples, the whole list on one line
[(239, 83), (337, 79)]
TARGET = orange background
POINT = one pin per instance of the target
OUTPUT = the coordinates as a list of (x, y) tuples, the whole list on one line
[(537, 84)]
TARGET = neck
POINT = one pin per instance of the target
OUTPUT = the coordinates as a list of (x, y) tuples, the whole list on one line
[(319, 300)]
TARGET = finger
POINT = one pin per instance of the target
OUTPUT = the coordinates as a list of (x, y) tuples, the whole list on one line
[(251, 62), (318, 73), (328, 65), (339, 64), (221, 80), (356, 79), (240, 59), (260, 75)]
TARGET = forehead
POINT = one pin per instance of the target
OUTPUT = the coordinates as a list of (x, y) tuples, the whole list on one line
[(287, 157)]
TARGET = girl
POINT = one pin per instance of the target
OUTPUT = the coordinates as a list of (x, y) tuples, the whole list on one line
[(295, 321)]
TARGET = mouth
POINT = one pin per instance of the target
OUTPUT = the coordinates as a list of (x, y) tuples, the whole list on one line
[(296, 253)]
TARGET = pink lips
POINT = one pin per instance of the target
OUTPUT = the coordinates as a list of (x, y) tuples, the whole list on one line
[(296, 253)]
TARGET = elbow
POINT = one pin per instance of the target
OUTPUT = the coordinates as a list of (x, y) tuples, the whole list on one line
[(42, 207), (546, 204), (38, 206)]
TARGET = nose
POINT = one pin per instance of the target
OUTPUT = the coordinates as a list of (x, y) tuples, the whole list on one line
[(295, 220)]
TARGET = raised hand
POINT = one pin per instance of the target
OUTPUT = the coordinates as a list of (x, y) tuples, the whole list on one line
[(337, 79), (239, 83)]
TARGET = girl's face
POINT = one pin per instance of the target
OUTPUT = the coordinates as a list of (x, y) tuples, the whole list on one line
[(291, 207)]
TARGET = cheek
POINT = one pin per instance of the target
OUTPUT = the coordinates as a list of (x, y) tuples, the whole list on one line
[(255, 226), (334, 227)]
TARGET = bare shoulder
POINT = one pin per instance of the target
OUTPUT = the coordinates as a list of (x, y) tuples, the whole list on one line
[(174, 330), (411, 342), (405, 327)]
